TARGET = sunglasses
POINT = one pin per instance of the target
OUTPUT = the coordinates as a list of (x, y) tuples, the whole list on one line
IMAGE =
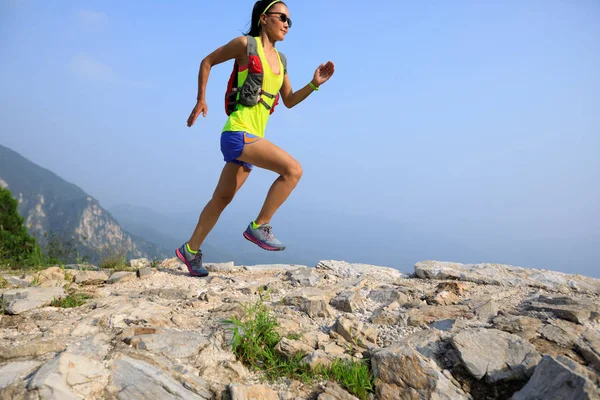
[(282, 17)]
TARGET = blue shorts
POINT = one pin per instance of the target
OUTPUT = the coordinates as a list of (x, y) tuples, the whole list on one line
[(232, 144)]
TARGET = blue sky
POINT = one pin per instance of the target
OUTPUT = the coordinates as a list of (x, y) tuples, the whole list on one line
[(477, 119)]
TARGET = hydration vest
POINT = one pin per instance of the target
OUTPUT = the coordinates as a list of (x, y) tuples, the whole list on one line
[(251, 92)]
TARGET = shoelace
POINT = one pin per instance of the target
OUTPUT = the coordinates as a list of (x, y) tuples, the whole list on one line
[(267, 230)]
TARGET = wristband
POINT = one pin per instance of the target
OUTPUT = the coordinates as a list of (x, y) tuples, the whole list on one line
[(312, 86)]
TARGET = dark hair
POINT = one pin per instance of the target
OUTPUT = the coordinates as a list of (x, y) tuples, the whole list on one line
[(259, 8)]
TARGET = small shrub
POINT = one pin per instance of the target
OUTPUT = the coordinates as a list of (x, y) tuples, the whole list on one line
[(254, 340)]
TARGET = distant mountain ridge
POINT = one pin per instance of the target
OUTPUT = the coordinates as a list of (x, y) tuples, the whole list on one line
[(50, 204)]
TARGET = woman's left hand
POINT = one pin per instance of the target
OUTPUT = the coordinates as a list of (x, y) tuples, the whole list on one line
[(323, 73)]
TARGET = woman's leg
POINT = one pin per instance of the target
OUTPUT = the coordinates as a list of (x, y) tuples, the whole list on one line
[(232, 178), (265, 154)]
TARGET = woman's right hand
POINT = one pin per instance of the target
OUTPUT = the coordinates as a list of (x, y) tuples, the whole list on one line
[(199, 108)]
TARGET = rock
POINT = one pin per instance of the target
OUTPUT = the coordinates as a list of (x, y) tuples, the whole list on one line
[(495, 355), (256, 392), (136, 379), (525, 327), (139, 263), (425, 315), (349, 301), (352, 270), (402, 373), (50, 274), (18, 301), (170, 343), (333, 391), (387, 295), (317, 358), (304, 277), (569, 309), (16, 371), (289, 348), (314, 302), (220, 267), (31, 349), (273, 268), (589, 346), (90, 277), (454, 287), (144, 273), (558, 378), (356, 332), (16, 281), (388, 315), (121, 276), (445, 298), (485, 309), (508, 275), (68, 376)]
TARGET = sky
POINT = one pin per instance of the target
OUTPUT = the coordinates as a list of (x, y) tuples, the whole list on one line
[(480, 120)]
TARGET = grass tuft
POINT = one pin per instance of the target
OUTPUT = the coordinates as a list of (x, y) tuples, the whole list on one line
[(70, 301), (253, 342)]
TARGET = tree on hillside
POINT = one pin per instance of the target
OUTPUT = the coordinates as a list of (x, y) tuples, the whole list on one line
[(16, 244)]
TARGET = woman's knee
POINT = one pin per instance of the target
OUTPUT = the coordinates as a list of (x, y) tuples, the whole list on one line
[(223, 199), (293, 172)]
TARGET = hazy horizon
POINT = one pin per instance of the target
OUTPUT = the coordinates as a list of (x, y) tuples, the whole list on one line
[(475, 123)]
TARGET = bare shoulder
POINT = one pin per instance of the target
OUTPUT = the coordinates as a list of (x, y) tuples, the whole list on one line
[(234, 49)]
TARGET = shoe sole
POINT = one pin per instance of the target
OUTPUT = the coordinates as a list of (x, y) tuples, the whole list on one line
[(262, 245), (189, 267)]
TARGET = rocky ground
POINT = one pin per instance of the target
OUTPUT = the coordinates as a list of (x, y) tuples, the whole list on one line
[(448, 331)]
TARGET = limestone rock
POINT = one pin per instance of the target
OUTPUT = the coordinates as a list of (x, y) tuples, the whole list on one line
[(304, 277), (508, 275), (16, 370), (349, 301), (558, 378), (290, 348), (18, 301), (314, 302), (356, 332), (90, 277), (333, 391), (425, 315), (344, 269), (402, 373), (136, 379), (525, 327), (495, 355), (256, 392), (567, 308), (139, 263), (68, 376)]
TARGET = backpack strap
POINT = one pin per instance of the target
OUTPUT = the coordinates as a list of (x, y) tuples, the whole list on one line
[(283, 61), (252, 48)]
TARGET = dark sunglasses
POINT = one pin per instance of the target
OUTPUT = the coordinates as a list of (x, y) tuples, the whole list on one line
[(282, 17)]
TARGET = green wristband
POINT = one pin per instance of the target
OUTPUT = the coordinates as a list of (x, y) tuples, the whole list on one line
[(312, 86)]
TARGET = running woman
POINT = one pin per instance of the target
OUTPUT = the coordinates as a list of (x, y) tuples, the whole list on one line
[(242, 139)]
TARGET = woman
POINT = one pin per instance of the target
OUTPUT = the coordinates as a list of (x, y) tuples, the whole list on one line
[(242, 140)]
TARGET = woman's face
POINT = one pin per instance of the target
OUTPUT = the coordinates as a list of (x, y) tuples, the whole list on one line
[(277, 21)]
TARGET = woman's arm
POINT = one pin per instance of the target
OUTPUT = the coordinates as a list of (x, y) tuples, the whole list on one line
[(291, 98), (236, 48)]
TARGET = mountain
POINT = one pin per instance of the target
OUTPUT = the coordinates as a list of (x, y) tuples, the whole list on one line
[(53, 206)]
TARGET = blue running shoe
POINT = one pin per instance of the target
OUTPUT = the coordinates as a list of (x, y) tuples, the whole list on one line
[(263, 237), (193, 262)]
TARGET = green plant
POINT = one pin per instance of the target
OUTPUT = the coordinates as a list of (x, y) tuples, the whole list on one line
[(3, 282), (115, 260), (254, 337), (17, 245), (70, 301)]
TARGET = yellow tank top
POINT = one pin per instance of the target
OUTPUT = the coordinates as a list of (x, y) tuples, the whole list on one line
[(254, 119)]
